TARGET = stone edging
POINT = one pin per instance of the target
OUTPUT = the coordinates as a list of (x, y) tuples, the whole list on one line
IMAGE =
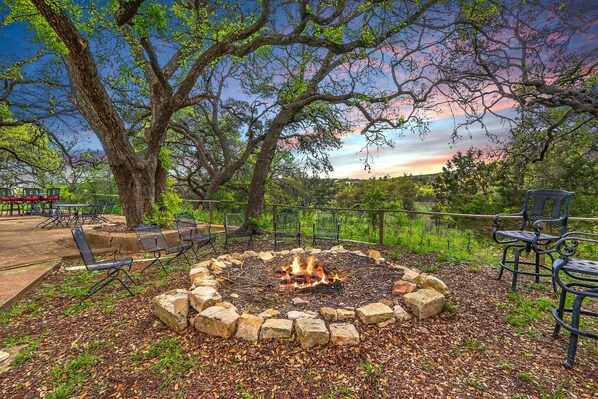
[(424, 295)]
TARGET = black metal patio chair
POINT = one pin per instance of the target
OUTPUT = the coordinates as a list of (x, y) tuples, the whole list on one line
[(197, 234), (234, 227), (113, 267), (542, 210), (327, 227), (152, 240), (287, 224), (578, 277), (56, 217), (10, 201)]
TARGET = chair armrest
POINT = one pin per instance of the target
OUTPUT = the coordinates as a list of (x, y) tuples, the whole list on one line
[(567, 245), (538, 223), (496, 218)]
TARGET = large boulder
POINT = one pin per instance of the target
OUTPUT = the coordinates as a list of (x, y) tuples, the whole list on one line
[(425, 302), (277, 328), (199, 272), (374, 313), (248, 327), (311, 332), (218, 321), (343, 334), (402, 287), (172, 308), (203, 297)]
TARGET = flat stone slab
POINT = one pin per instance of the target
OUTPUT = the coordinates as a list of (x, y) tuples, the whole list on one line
[(311, 332), (425, 302), (199, 272), (343, 334), (218, 321), (401, 314), (296, 315), (248, 327), (203, 297), (277, 328), (172, 308), (374, 313)]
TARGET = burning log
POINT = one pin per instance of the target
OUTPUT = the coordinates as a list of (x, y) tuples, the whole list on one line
[(296, 276)]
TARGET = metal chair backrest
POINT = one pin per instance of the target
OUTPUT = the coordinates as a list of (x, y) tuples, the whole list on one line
[(547, 205), (107, 207), (186, 225), (32, 192), (287, 221), (54, 192), (151, 237), (83, 246), (6, 192)]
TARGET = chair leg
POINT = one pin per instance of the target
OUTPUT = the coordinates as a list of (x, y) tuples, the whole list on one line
[(516, 268), (560, 313), (575, 327), (502, 263), (111, 275)]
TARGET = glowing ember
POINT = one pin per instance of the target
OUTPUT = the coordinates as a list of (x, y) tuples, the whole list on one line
[(298, 276)]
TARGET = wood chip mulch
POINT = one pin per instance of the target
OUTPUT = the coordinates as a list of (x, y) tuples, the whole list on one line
[(473, 352)]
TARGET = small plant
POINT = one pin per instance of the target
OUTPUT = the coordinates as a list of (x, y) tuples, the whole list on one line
[(172, 363), (430, 268), (503, 364), (474, 344), (449, 306), (68, 378), (372, 374), (244, 394), (473, 268), (339, 392), (524, 376), (474, 382), (17, 310)]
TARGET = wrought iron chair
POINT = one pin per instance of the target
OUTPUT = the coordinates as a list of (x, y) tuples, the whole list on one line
[(52, 195), (10, 200), (33, 196), (327, 226), (286, 224), (152, 240), (234, 228), (56, 217), (541, 209), (113, 267), (192, 232), (581, 281)]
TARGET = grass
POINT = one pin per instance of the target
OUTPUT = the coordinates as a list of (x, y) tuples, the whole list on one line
[(525, 311), (29, 348), (171, 362), (69, 377), (245, 394), (372, 375), (18, 310), (474, 344), (338, 392), (449, 306)]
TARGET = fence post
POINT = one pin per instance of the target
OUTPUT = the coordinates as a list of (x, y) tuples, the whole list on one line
[(274, 213), (211, 208), (381, 227)]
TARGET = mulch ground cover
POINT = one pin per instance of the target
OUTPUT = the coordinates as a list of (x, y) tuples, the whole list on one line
[(113, 346)]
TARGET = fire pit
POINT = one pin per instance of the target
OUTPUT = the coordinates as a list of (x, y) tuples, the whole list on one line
[(304, 274), (318, 296)]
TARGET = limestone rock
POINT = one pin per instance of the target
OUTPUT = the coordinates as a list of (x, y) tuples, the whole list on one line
[(248, 254), (425, 302), (345, 314), (227, 305), (216, 266), (296, 315), (236, 262), (172, 307), (248, 327), (268, 313), (328, 314), (295, 251), (358, 253), (379, 261), (339, 249), (277, 328), (205, 282), (265, 256), (386, 322), (411, 275), (235, 255), (198, 272), (314, 251), (311, 332), (372, 253), (402, 287), (284, 252), (401, 314), (234, 295), (217, 321), (385, 301), (223, 257), (203, 297), (374, 313), (343, 334), (203, 263), (434, 283), (299, 301)]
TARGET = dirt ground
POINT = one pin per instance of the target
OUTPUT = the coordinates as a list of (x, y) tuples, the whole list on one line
[(487, 345)]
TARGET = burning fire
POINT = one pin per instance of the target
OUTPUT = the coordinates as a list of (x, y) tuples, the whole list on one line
[(297, 276)]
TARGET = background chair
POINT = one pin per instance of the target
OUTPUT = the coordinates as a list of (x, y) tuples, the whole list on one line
[(326, 227), (542, 210), (152, 240), (287, 224), (578, 277), (232, 228), (10, 201), (113, 267), (197, 235)]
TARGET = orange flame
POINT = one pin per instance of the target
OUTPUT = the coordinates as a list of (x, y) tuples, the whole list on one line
[(296, 275)]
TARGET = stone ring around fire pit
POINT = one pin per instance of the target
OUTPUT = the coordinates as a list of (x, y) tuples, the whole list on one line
[(254, 281)]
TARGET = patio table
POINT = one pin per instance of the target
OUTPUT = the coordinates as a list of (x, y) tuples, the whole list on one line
[(72, 215)]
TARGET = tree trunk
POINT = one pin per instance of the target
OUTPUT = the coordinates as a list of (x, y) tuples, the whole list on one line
[(137, 192)]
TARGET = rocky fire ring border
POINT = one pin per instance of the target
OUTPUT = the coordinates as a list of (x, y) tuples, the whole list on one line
[(422, 294)]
